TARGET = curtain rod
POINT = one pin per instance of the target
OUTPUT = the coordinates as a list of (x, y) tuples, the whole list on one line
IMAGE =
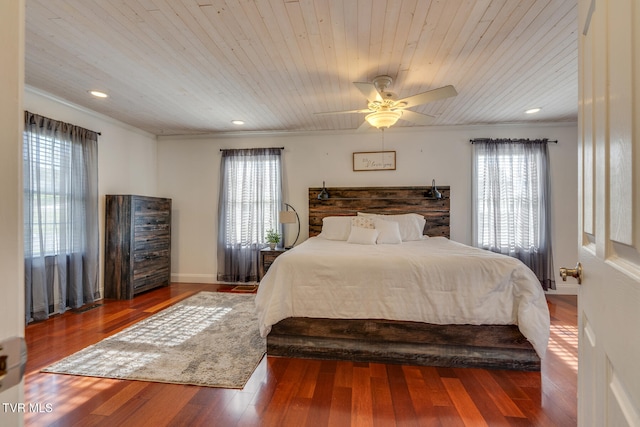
[(555, 141), (267, 148), (70, 124)]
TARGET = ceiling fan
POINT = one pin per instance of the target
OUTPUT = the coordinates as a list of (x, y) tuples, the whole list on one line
[(384, 109)]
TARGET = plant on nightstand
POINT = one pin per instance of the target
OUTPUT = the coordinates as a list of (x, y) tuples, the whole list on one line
[(273, 238)]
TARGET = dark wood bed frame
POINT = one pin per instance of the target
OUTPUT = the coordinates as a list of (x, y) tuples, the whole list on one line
[(388, 341)]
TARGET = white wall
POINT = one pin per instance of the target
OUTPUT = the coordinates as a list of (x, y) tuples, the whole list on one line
[(11, 229), (190, 176), (127, 157)]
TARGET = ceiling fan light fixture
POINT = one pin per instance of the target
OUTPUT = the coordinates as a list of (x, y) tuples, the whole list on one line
[(383, 119)]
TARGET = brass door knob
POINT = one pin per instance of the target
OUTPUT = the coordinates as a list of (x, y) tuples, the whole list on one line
[(573, 272)]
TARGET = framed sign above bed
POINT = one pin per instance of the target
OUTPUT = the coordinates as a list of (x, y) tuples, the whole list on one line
[(374, 161)]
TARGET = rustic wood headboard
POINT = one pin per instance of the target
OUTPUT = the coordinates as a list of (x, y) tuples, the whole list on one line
[(382, 200)]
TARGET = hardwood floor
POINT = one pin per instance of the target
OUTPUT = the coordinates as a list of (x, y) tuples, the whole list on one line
[(297, 392)]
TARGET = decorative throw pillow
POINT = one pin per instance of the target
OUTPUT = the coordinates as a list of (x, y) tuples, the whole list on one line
[(389, 232), (362, 222), (363, 236)]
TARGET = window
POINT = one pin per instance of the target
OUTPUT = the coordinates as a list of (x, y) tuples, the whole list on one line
[(249, 202), (45, 194), (252, 196), (512, 213), (508, 214), (61, 236)]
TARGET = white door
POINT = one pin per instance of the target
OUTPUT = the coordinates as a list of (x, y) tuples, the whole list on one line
[(609, 195)]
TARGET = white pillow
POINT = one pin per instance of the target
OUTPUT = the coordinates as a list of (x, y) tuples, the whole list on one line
[(411, 224), (363, 236), (389, 232), (336, 227)]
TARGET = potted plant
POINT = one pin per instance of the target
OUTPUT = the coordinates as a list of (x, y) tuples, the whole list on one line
[(273, 238)]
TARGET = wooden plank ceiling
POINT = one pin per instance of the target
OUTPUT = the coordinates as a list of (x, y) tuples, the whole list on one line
[(175, 67)]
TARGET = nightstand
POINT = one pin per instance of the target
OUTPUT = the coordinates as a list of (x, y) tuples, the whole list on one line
[(267, 256)]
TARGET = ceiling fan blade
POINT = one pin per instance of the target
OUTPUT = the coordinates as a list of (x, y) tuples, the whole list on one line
[(429, 96), (368, 90), (364, 126), (417, 118), (366, 110)]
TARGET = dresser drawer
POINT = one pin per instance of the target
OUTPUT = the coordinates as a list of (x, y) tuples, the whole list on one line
[(150, 220), (148, 205), (147, 279), (146, 241), (141, 257)]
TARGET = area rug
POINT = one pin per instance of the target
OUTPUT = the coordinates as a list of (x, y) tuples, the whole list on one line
[(209, 339)]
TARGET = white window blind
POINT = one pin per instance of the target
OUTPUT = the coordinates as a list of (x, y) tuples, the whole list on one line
[(253, 198), (49, 192), (507, 191)]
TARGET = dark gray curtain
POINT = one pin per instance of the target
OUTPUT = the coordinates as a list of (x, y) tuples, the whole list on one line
[(249, 202), (61, 236), (512, 202)]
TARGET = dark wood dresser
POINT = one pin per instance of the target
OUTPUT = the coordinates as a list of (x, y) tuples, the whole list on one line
[(137, 245)]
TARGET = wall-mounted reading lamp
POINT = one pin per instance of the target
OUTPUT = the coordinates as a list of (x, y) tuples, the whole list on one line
[(323, 195), (290, 217), (434, 193)]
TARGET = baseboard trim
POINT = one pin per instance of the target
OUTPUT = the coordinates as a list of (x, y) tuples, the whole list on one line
[(193, 278), (565, 289)]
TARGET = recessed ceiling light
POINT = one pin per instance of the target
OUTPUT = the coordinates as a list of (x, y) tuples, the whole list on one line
[(533, 110), (237, 122), (98, 94)]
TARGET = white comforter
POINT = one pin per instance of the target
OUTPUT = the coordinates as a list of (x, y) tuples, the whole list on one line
[(433, 280)]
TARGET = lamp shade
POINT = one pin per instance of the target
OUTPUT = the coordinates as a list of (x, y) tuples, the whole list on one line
[(287, 217)]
